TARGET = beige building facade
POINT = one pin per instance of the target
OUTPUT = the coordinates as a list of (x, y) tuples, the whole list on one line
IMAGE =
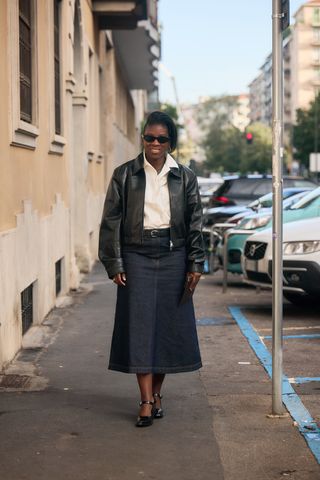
[(72, 105)]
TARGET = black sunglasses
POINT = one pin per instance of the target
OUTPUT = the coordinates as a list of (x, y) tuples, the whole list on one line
[(151, 138)]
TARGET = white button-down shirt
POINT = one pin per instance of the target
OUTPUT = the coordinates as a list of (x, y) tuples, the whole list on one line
[(156, 201)]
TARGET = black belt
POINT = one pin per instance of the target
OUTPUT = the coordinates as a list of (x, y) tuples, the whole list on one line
[(156, 232)]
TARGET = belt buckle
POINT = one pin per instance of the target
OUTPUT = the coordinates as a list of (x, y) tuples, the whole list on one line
[(154, 233)]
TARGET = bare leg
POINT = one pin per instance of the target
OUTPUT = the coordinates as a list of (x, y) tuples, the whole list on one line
[(145, 385), (156, 386)]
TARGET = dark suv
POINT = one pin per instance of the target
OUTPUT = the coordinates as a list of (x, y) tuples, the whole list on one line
[(243, 190)]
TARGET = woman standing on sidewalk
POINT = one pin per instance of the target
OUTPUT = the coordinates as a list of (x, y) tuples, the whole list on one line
[(151, 246)]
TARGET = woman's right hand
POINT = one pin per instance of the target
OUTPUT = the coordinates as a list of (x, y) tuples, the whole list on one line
[(120, 279)]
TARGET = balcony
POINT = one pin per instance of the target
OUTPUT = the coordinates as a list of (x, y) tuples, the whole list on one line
[(119, 14), (135, 36), (138, 53)]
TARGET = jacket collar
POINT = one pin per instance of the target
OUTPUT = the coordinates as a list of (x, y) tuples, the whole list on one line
[(139, 162)]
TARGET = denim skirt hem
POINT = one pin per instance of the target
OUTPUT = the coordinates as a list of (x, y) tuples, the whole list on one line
[(178, 369)]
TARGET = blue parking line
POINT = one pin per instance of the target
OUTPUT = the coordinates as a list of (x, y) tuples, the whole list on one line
[(301, 380), (286, 337), (306, 424)]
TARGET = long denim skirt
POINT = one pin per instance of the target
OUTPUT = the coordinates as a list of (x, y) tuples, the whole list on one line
[(153, 332)]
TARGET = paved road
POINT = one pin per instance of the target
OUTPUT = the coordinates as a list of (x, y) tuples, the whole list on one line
[(75, 419)]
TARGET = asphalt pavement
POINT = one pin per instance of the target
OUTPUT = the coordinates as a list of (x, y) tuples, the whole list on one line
[(64, 416)]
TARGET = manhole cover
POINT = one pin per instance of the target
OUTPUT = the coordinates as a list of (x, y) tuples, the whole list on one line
[(214, 321), (14, 381)]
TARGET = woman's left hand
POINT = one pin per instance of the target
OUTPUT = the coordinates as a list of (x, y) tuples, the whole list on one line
[(193, 279)]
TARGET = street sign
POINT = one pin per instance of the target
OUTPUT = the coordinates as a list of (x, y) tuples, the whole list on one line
[(285, 11), (314, 162)]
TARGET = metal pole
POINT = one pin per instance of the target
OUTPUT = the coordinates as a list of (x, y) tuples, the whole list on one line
[(225, 262), (277, 223)]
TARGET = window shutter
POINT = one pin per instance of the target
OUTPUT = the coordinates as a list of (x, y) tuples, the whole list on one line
[(25, 53), (57, 95)]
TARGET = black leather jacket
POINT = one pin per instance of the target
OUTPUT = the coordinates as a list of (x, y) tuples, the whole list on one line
[(123, 214)]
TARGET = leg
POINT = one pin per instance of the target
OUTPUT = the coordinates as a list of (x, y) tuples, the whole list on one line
[(145, 386), (156, 387)]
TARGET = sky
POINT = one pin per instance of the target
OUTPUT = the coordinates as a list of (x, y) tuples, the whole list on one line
[(213, 47)]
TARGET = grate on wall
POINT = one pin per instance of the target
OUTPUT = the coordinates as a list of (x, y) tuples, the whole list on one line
[(58, 276), (27, 308)]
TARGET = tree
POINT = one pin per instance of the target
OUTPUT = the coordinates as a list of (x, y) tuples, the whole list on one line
[(170, 110), (306, 132), (226, 147), (257, 156), (223, 148)]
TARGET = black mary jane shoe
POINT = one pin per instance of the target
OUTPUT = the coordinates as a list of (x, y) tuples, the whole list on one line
[(158, 412), (145, 421)]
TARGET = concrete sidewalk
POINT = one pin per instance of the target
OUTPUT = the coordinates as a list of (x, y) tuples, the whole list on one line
[(80, 422), (71, 418)]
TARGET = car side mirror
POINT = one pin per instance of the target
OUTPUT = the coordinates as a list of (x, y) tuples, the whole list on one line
[(256, 207)]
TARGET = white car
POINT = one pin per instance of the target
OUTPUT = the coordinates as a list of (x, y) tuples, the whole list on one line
[(301, 260)]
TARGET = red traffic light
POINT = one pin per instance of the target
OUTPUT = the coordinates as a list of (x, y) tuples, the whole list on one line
[(249, 137)]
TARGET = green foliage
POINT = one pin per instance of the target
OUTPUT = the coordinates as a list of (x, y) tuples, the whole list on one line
[(226, 148), (257, 157), (170, 110), (225, 145), (223, 148), (304, 132)]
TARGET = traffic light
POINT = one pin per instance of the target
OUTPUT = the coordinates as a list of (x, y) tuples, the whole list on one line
[(249, 137)]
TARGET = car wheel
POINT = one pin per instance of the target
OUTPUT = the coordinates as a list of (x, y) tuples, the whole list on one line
[(301, 300)]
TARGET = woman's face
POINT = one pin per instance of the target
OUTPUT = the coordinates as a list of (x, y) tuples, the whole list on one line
[(155, 150)]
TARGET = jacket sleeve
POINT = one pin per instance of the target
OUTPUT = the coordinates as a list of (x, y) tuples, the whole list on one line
[(195, 245), (110, 229)]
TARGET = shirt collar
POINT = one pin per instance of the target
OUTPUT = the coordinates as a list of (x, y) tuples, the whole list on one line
[(168, 164)]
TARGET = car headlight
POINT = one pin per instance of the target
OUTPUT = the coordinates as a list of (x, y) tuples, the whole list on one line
[(256, 222), (296, 248)]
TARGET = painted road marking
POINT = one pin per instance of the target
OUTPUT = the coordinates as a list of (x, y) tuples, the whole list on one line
[(287, 337), (316, 327), (306, 424), (301, 380)]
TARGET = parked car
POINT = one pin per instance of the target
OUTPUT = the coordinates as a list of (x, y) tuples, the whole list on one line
[(301, 260), (207, 186), (234, 213), (242, 190), (303, 205)]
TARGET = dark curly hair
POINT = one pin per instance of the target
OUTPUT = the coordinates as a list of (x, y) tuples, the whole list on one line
[(161, 118)]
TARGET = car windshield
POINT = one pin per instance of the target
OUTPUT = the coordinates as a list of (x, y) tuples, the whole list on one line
[(266, 200), (306, 200)]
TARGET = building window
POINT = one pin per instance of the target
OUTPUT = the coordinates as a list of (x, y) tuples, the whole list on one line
[(25, 59), (316, 34), (27, 308), (57, 92), (316, 16), (316, 55)]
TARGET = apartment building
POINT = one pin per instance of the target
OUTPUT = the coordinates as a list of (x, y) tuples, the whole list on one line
[(255, 98), (305, 56), (75, 80)]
